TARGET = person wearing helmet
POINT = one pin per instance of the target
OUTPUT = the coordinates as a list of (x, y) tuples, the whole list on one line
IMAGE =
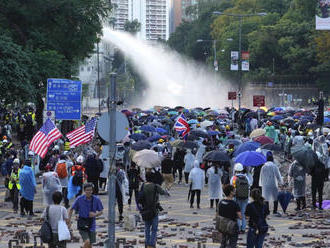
[(78, 171), (241, 183), (13, 184)]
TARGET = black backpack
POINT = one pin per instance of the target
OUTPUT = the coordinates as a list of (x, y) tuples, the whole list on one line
[(242, 187), (77, 178), (46, 232)]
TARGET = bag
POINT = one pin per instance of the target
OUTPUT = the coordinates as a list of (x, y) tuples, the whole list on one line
[(77, 179), (148, 212), (226, 225), (262, 225), (242, 187), (61, 170), (63, 230), (46, 232), (85, 224)]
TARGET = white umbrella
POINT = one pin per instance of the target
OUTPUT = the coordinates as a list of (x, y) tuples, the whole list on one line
[(147, 158), (206, 123), (257, 132)]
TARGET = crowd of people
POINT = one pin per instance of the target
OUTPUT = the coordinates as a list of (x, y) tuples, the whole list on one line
[(242, 189)]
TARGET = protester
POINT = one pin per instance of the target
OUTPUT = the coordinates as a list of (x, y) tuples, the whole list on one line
[(270, 178), (197, 178), (93, 168), (50, 184), (88, 207), (63, 172), (55, 213), (167, 171), (214, 173), (189, 159), (228, 208), (122, 189), (178, 163), (78, 174), (297, 174), (134, 180), (257, 212), (28, 189), (317, 173), (13, 184)]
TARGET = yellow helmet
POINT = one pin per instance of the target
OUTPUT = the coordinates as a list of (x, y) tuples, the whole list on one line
[(227, 127), (160, 140)]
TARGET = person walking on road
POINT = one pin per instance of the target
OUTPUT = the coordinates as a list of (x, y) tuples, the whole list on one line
[(189, 159), (197, 178), (13, 184), (56, 212), (214, 175), (257, 212), (297, 173), (228, 208), (167, 170), (88, 207), (62, 171)]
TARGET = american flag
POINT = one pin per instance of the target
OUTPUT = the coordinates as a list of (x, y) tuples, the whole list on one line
[(182, 126), (47, 134), (83, 134)]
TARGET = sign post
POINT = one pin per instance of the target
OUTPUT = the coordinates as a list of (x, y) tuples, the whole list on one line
[(232, 96), (64, 98), (258, 101)]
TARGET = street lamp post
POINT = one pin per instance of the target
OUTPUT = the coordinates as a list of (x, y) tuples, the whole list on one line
[(215, 62), (240, 17)]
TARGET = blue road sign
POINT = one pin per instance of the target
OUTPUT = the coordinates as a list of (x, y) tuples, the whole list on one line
[(64, 97)]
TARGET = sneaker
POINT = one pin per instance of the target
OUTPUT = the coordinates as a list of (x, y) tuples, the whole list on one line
[(121, 218), (191, 206), (22, 215)]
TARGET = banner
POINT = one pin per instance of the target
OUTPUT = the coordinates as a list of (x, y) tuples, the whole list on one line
[(234, 61), (322, 18), (245, 61)]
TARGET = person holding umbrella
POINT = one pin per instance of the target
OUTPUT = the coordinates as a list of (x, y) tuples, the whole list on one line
[(270, 177), (297, 173)]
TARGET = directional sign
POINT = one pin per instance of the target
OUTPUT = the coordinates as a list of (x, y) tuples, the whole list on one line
[(232, 95), (64, 98), (258, 101)]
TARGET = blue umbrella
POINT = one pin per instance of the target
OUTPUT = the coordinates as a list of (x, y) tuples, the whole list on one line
[(277, 109), (141, 145), (138, 136), (248, 146), (147, 128), (326, 120), (154, 138), (193, 121), (212, 132), (235, 142), (284, 198), (251, 158), (277, 118), (161, 130)]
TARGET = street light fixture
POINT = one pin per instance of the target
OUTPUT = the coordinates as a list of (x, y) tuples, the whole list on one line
[(215, 62), (240, 17)]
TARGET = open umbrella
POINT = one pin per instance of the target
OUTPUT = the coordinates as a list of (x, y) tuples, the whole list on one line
[(192, 121), (147, 128), (140, 145), (176, 143), (216, 156), (277, 118), (192, 137), (305, 156), (199, 133), (248, 146), (138, 136), (154, 138), (206, 123), (147, 159), (235, 142), (212, 132), (284, 198), (257, 132), (161, 130), (250, 158), (264, 140), (188, 144), (272, 147)]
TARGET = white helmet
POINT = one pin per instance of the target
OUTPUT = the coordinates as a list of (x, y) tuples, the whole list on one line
[(80, 159), (238, 167), (16, 161), (31, 153)]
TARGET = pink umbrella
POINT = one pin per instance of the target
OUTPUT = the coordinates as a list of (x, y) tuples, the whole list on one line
[(264, 140)]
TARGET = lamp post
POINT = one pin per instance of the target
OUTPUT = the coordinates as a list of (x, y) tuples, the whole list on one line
[(215, 62), (240, 17)]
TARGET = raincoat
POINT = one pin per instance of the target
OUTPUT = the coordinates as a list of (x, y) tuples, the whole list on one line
[(197, 177), (320, 145), (271, 133), (189, 159), (200, 153), (269, 179), (215, 187), (64, 181), (298, 173), (27, 182), (50, 184)]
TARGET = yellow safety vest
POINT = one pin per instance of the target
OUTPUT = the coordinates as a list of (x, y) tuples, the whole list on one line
[(66, 146), (14, 177)]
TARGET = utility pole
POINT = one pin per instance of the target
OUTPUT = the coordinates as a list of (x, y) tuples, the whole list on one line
[(239, 63), (98, 77), (112, 173)]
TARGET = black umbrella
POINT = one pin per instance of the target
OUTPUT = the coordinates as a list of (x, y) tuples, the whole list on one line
[(284, 198), (192, 137), (272, 147), (235, 142), (216, 156), (251, 115), (199, 133), (188, 144), (305, 156), (140, 145)]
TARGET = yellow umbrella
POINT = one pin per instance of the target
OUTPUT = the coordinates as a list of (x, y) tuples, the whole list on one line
[(271, 114), (257, 132), (264, 108)]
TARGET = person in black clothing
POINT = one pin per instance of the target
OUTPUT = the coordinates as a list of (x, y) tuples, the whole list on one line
[(179, 163), (317, 173), (133, 180), (167, 170), (94, 167), (230, 209), (255, 210)]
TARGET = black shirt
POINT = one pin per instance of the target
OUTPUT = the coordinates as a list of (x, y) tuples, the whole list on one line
[(228, 209), (167, 166), (254, 210)]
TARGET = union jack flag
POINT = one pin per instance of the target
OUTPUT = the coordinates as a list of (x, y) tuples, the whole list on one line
[(182, 126)]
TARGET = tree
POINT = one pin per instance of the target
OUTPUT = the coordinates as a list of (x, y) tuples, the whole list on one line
[(132, 26)]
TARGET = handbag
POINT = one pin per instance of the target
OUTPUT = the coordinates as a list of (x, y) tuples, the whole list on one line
[(46, 232), (261, 224), (85, 223), (63, 230), (226, 225)]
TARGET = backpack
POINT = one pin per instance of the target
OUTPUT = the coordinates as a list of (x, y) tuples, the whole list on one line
[(77, 179), (61, 170), (242, 187), (147, 211)]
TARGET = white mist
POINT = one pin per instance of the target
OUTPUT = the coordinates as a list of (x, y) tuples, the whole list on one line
[(172, 79)]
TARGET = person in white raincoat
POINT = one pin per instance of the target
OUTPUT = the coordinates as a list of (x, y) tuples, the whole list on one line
[(189, 159), (269, 179), (214, 175), (122, 190), (50, 184), (105, 172), (200, 152), (197, 178)]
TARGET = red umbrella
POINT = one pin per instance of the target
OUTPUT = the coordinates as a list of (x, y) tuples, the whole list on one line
[(264, 140)]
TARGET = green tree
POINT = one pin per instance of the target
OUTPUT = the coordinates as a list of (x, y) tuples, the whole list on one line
[(132, 26)]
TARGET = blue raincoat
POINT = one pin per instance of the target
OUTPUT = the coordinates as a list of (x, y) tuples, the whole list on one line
[(27, 182), (72, 189)]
